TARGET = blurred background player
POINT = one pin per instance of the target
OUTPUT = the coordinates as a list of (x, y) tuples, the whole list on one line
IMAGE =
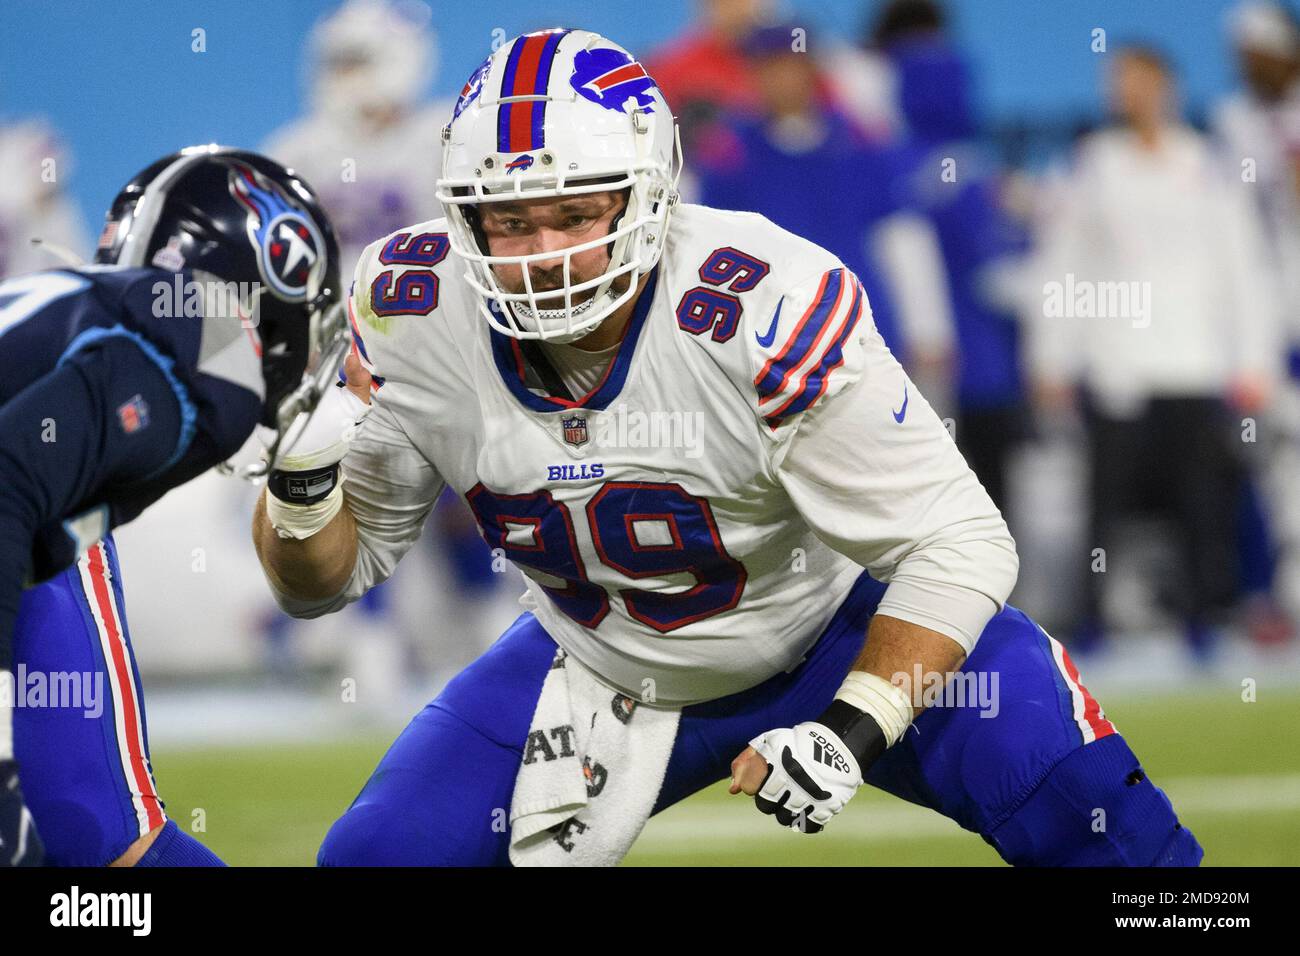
[(955, 181), (1168, 370), (34, 203), (1255, 130), (857, 206), (704, 71), (216, 282), (370, 140), (372, 145)]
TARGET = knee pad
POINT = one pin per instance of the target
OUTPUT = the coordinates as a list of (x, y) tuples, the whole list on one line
[(370, 834), (1096, 808), (354, 839), (379, 834)]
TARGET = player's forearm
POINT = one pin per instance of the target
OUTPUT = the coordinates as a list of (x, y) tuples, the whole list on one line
[(875, 705), (314, 568), (895, 649)]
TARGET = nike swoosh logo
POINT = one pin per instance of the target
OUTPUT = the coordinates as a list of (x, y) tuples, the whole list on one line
[(902, 412), (766, 340)]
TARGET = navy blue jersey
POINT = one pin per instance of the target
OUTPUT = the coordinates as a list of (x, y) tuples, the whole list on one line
[(43, 314), (211, 365)]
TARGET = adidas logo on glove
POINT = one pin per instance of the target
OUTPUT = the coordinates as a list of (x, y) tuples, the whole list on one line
[(825, 752)]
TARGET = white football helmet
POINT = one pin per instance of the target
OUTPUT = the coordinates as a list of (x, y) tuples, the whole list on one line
[(370, 55), (560, 113)]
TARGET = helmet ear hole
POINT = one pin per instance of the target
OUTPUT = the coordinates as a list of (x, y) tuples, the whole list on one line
[(613, 225)]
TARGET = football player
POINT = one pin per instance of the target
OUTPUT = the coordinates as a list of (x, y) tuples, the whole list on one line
[(215, 285), (778, 579), (368, 145), (35, 209)]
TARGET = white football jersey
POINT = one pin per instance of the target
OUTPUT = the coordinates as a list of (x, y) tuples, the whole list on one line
[(688, 527)]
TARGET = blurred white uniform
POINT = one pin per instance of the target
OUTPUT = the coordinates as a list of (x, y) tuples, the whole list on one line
[(1264, 138), (708, 559), (32, 207), (1267, 135), (396, 169), (372, 153), (1171, 224), (1152, 293), (865, 87)]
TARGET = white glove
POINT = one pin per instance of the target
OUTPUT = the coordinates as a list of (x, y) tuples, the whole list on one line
[(306, 485), (810, 775), (327, 433)]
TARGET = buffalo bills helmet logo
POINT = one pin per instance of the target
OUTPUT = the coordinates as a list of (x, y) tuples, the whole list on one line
[(519, 165), (287, 243), (610, 77), (469, 92)]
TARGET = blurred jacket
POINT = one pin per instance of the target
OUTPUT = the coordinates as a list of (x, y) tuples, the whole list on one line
[(1169, 223)]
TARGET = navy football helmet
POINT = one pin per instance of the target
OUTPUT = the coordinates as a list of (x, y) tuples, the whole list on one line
[(241, 217)]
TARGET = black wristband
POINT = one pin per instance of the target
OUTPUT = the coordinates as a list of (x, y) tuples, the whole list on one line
[(303, 487), (859, 731)]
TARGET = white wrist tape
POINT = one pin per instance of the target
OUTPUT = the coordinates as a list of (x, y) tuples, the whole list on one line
[(302, 521), (889, 706)]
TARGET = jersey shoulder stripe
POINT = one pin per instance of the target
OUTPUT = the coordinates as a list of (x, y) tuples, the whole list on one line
[(780, 316), (794, 378), (808, 332), (359, 348)]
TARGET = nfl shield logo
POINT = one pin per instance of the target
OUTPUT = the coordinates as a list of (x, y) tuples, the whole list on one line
[(575, 430), (133, 415)]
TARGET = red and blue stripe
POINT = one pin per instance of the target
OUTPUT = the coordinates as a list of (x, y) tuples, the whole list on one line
[(812, 325), (1082, 708), (796, 378), (359, 349), (520, 125)]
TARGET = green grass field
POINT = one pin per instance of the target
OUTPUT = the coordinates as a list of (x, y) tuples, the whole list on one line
[(1231, 768)]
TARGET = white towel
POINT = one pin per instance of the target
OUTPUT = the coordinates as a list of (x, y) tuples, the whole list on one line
[(591, 771)]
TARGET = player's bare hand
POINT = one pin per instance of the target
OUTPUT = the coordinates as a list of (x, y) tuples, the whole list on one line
[(358, 377), (748, 771)]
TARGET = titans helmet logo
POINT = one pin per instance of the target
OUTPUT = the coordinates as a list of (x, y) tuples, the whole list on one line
[(287, 242)]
